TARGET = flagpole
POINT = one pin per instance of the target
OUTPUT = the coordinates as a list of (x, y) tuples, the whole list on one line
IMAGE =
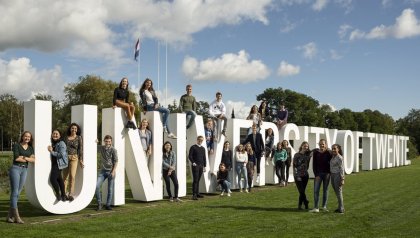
[(138, 72), (166, 73), (158, 66)]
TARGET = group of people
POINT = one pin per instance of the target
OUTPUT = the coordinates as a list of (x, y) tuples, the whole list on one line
[(65, 154)]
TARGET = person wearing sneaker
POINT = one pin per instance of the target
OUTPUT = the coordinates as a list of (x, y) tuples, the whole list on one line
[(217, 111), (209, 134), (257, 144), (121, 99), (108, 165), (23, 154), (227, 158), (250, 165), (146, 139), (280, 157), (321, 167), (197, 157), (337, 175), (149, 102), (223, 179), (288, 162), (241, 158), (59, 161), (74, 144), (188, 105), (300, 172), (169, 170)]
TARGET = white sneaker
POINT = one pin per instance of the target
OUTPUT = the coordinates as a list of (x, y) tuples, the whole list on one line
[(240, 190), (228, 195), (258, 179), (172, 136), (314, 210), (325, 209), (246, 190), (222, 193)]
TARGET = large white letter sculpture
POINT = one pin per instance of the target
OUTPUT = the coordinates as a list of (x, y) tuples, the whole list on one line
[(37, 119)]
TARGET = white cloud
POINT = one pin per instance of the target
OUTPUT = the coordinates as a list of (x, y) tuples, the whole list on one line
[(342, 32), (285, 69), (229, 67), (21, 79), (92, 29), (309, 50), (335, 55), (288, 26), (346, 4), (406, 26), (319, 5)]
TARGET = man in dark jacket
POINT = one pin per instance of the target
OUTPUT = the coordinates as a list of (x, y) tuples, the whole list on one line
[(197, 157), (257, 143)]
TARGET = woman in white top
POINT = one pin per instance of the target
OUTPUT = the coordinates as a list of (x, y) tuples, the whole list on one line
[(146, 138), (241, 160), (337, 175), (149, 102), (255, 116)]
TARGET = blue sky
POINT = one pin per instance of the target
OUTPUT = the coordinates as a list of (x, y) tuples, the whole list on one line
[(345, 53)]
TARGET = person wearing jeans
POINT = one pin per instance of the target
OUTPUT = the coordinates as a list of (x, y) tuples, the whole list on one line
[(109, 162), (321, 166), (241, 160), (337, 175), (168, 171), (149, 102), (188, 105), (300, 171), (23, 153)]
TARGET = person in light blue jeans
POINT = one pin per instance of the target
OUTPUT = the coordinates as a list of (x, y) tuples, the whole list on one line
[(23, 153), (241, 160), (109, 162), (149, 102)]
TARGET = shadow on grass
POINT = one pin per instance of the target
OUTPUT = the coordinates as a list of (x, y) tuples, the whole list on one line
[(254, 208)]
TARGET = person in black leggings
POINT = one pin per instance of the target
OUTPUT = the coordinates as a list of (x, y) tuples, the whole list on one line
[(59, 161)]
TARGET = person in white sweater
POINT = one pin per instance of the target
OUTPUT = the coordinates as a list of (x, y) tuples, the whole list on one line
[(217, 111), (241, 158)]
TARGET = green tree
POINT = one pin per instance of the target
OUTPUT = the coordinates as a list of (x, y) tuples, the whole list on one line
[(93, 90), (11, 120), (380, 123), (303, 110), (410, 126)]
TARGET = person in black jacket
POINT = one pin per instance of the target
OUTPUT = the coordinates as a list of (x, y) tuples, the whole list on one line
[(257, 145), (197, 157), (121, 100)]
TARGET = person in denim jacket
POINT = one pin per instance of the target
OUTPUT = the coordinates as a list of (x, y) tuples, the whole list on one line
[(169, 171), (59, 161)]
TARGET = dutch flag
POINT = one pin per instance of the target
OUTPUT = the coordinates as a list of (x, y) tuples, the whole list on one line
[(137, 49)]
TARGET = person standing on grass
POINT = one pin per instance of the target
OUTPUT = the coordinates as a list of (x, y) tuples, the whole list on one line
[(321, 166), (223, 179), (121, 100), (23, 154), (217, 111), (108, 166), (257, 144), (250, 165), (59, 161), (280, 157), (300, 172), (337, 175), (168, 171), (188, 105), (288, 162), (197, 157), (74, 143), (241, 160)]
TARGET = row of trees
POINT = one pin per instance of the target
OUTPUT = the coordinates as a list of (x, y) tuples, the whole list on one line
[(303, 110)]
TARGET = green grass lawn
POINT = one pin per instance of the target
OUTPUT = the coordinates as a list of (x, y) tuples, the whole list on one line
[(383, 203)]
